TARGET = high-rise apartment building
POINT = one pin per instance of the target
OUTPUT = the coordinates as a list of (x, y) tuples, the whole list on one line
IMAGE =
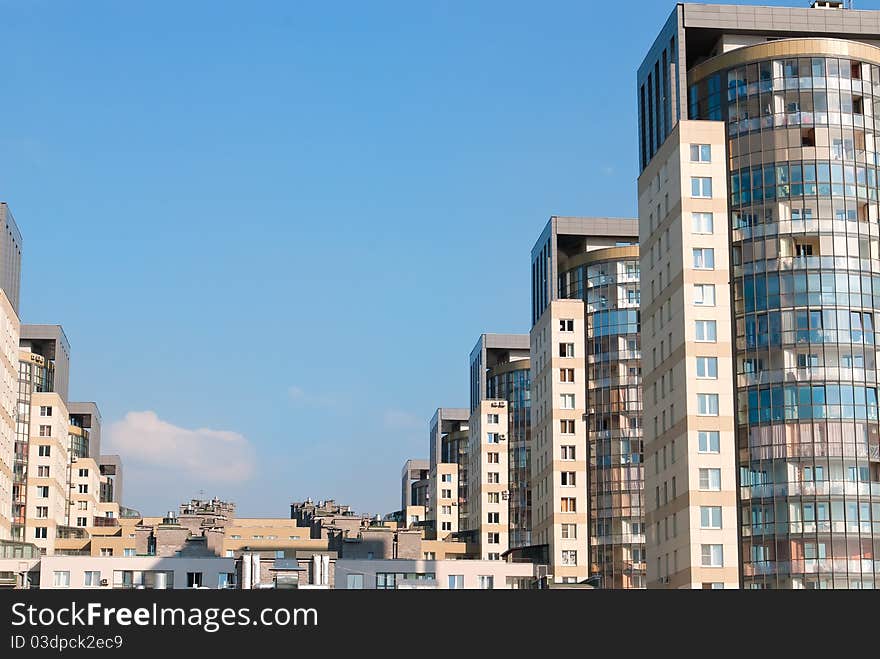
[(447, 507), (586, 401), (758, 208), (10, 282), (500, 440)]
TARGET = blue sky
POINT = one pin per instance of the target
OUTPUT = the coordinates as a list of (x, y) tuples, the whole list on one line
[(273, 231)]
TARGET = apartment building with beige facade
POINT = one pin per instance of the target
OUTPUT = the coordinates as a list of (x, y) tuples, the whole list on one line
[(9, 337), (789, 175), (487, 522), (586, 401), (689, 408), (448, 441)]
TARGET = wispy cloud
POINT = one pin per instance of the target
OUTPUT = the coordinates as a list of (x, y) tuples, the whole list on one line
[(162, 452), (302, 397), (400, 420)]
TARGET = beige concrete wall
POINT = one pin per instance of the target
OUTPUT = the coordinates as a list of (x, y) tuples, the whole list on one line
[(548, 440), (444, 499), (9, 335), (57, 461), (489, 461), (670, 350)]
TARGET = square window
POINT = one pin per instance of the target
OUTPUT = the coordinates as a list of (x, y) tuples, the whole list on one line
[(709, 441), (704, 258), (707, 368), (706, 331), (566, 325), (710, 479), (710, 517), (703, 223), (707, 404), (704, 295), (701, 187), (712, 555), (701, 153)]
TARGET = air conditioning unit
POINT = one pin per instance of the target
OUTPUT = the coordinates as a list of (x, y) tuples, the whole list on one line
[(502, 438), (104, 582)]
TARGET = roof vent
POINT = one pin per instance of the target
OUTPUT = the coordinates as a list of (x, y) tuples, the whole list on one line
[(830, 4)]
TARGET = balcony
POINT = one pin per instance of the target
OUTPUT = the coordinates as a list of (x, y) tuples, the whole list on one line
[(105, 521)]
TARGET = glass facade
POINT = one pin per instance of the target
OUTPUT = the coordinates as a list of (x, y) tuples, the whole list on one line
[(806, 283), (610, 289), (32, 376), (514, 386)]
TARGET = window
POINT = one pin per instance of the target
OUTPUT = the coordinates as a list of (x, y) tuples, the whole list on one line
[(710, 479), (445, 526), (568, 478), (707, 367), (568, 452), (493, 477), (83, 473), (486, 581), (45, 431), (446, 478), (493, 538), (456, 581), (61, 579), (710, 517), (701, 153), (445, 494), (493, 497), (704, 295), (707, 404), (566, 426), (704, 258), (83, 488), (703, 223), (45, 410), (91, 578), (715, 585), (445, 510), (229, 554), (568, 505), (129, 551), (82, 521), (42, 512), (493, 556), (701, 187), (566, 375), (43, 471), (354, 581), (44, 451), (493, 518), (41, 532), (566, 349), (43, 491), (712, 555), (706, 331), (566, 325), (492, 438), (709, 441), (566, 401), (193, 579), (106, 551), (569, 531), (492, 458), (569, 557), (82, 505), (491, 418)]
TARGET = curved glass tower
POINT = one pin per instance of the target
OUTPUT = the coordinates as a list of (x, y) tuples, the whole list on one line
[(802, 118)]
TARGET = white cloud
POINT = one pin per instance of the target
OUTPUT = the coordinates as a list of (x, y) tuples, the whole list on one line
[(157, 450), (400, 420)]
